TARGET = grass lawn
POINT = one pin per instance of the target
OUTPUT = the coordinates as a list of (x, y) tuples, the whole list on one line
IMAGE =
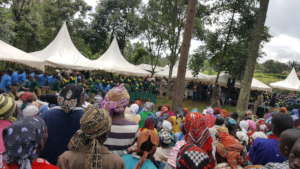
[(269, 78), (190, 104)]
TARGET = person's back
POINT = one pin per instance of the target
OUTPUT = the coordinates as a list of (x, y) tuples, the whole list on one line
[(5, 82), (264, 151), (63, 121), (61, 127), (121, 136)]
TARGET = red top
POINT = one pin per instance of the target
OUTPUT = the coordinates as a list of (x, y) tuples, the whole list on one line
[(39, 163)]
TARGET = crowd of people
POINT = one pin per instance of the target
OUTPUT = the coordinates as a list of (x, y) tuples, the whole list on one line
[(68, 131)]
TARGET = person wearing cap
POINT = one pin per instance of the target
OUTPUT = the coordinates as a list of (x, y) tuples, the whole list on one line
[(122, 133), (63, 121), (86, 149), (7, 109), (24, 140)]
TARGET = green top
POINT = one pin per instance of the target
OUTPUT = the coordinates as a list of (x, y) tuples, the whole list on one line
[(144, 116)]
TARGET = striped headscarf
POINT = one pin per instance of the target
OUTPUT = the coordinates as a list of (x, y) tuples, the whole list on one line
[(93, 124), (7, 107)]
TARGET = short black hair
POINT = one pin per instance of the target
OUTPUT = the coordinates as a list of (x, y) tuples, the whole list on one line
[(261, 111), (220, 120), (281, 122), (234, 115)]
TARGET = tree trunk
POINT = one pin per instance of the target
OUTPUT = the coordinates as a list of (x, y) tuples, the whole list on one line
[(253, 53), (215, 97), (184, 53)]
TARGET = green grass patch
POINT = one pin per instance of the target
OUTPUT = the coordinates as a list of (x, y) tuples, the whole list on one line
[(190, 104), (269, 78)]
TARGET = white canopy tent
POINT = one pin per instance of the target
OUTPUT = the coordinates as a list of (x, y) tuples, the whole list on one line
[(113, 61), (291, 83), (255, 85), (12, 54), (188, 75), (61, 52)]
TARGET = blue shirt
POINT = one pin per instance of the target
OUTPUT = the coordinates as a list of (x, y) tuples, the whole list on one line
[(22, 77), (5, 82), (61, 127), (42, 79), (32, 75), (50, 80), (264, 151), (131, 161), (15, 78)]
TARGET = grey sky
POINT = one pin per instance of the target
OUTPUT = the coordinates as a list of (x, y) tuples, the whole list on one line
[(284, 22)]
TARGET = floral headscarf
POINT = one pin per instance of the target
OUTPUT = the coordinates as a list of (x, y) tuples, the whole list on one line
[(93, 124), (116, 100), (167, 138), (70, 96), (22, 140)]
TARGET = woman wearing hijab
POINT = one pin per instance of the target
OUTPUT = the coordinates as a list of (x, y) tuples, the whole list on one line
[(63, 121), (23, 141), (147, 142), (192, 157), (197, 133), (167, 142), (86, 146), (7, 109), (122, 133)]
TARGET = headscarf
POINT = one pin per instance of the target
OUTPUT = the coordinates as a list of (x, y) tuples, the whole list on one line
[(167, 125), (7, 107), (244, 125), (143, 137), (167, 138), (116, 100), (149, 106), (27, 97), (197, 131), (22, 140), (192, 157), (252, 125), (229, 147), (93, 124), (30, 110), (70, 96)]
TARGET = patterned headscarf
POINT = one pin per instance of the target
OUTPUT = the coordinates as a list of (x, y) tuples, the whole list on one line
[(22, 140), (143, 137), (93, 124), (116, 100), (7, 107), (70, 96), (192, 157), (197, 131), (167, 138)]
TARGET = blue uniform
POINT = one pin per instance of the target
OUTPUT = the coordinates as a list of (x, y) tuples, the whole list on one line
[(22, 77), (15, 78), (5, 82), (42, 80)]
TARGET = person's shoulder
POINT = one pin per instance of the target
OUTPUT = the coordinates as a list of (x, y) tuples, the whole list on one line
[(41, 163)]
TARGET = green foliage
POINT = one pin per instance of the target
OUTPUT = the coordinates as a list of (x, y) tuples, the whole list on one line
[(114, 17), (271, 66)]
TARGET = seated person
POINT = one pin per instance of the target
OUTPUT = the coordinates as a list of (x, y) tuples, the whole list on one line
[(24, 140), (264, 151)]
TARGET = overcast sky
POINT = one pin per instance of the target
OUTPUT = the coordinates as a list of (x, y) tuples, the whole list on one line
[(284, 22)]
